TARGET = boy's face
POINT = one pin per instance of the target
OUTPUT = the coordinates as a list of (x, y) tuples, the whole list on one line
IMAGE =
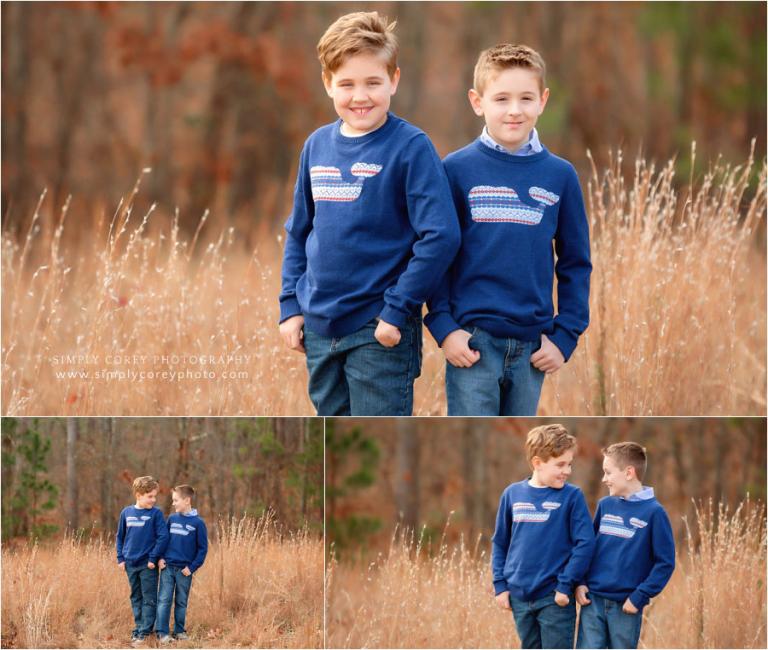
[(554, 472), (511, 105), (147, 500), (361, 90), (620, 482), (180, 504)]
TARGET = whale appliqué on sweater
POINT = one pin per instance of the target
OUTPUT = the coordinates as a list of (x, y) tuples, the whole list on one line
[(503, 204), (328, 185)]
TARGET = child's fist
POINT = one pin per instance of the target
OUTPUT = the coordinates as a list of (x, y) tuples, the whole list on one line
[(150, 565), (162, 564), (502, 600), (121, 564), (186, 572), (548, 357), (386, 334), (457, 351), (292, 332), (581, 595), (561, 599), (628, 607)]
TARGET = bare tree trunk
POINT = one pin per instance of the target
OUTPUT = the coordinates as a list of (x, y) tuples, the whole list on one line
[(407, 473), (72, 473), (475, 477)]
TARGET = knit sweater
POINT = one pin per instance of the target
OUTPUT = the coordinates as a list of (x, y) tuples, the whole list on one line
[(372, 230), (522, 222), (141, 535), (188, 544), (543, 540)]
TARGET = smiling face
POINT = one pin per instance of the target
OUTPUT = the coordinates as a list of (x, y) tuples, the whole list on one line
[(146, 500), (511, 103), (362, 89), (553, 472), (181, 504), (620, 482)]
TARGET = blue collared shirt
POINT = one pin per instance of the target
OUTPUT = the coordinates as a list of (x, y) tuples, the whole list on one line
[(642, 495), (531, 147)]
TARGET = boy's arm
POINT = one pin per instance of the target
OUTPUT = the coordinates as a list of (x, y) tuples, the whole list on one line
[(573, 268), (297, 228), (433, 218), (202, 547), (161, 543), (502, 536), (663, 551), (583, 535), (120, 538)]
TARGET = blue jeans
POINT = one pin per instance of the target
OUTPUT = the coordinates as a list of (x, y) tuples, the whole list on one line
[(356, 375), (143, 583), (501, 382), (603, 624), (542, 623), (172, 578)]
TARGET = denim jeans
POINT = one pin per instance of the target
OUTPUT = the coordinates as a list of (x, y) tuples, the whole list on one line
[(356, 375), (143, 583), (172, 578), (542, 623), (501, 382), (603, 624)]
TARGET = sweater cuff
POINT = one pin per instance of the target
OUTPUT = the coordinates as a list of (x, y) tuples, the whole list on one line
[(564, 342), (289, 307), (393, 316), (639, 599), (441, 325), (564, 588), (500, 586)]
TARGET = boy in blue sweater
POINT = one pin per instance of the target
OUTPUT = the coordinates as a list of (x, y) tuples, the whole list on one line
[(185, 554), (634, 553), (519, 206), (543, 543), (372, 231), (141, 540)]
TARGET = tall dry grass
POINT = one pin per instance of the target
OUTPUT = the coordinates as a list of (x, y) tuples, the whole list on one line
[(409, 598), (256, 589), (678, 307)]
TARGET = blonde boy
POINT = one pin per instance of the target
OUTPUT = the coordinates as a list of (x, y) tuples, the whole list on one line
[(543, 543), (373, 228), (141, 540)]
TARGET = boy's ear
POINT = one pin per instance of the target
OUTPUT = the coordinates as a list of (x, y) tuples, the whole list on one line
[(474, 99), (395, 79), (535, 462), (327, 84), (544, 98)]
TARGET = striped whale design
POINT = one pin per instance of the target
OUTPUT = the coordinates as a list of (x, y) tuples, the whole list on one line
[(178, 529), (502, 204), (136, 522), (614, 525), (527, 512), (328, 184)]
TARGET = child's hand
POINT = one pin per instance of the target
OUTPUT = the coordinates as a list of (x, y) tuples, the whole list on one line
[(121, 564), (548, 357), (292, 331), (502, 600), (561, 599), (162, 564), (186, 572), (457, 351), (150, 565), (386, 334), (581, 595), (628, 607)]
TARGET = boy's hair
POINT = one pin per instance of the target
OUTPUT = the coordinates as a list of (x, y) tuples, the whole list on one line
[(625, 454), (185, 491), (355, 33), (505, 56), (548, 441), (144, 484)]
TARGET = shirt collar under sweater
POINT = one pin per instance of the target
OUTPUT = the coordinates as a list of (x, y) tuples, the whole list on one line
[(644, 494), (532, 146)]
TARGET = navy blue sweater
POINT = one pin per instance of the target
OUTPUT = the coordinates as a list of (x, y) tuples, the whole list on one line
[(635, 551), (141, 535), (188, 545), (511, 209), (543, 541), (372, 231)]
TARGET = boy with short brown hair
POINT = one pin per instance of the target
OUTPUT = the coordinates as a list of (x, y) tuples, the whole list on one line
[(543, 543), (141, 540), (373, 228), (634, 553)]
